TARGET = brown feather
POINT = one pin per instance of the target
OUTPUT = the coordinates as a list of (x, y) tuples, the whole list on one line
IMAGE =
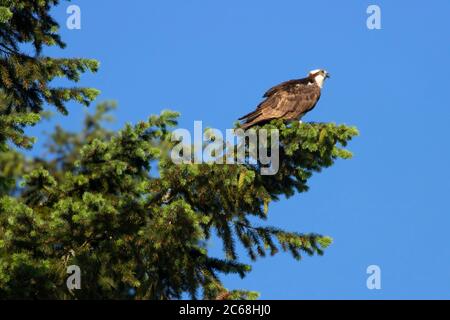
[(289, 100)]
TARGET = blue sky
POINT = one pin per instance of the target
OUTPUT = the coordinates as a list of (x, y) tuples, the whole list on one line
[(212, 60)]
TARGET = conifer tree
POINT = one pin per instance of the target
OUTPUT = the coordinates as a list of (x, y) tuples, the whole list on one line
[(96, 201), (25, 78)]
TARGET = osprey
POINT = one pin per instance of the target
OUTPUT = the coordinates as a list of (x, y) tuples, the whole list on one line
[(290, 100)]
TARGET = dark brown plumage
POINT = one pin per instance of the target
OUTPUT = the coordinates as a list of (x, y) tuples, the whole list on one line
[(289, 100)]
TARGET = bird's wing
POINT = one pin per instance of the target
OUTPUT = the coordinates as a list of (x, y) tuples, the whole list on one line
[(285, 86), (275, 94), (307, 97), (293, 102), (290, 102)]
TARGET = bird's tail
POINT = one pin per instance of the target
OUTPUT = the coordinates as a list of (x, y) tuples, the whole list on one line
[(251, 115), (247, 125), (257, 121), (250, 119)]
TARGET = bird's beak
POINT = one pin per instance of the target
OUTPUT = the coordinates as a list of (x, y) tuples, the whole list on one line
[(328, 76)]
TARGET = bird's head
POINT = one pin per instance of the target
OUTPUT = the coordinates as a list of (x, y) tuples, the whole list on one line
[(319, 76)]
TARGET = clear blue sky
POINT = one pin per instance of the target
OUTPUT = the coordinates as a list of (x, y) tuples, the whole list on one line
[(212, 60)]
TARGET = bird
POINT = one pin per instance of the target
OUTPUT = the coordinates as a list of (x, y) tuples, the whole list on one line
[(290, 100)]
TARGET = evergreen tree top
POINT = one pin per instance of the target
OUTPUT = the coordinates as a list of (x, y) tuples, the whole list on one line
[(25, 78)]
